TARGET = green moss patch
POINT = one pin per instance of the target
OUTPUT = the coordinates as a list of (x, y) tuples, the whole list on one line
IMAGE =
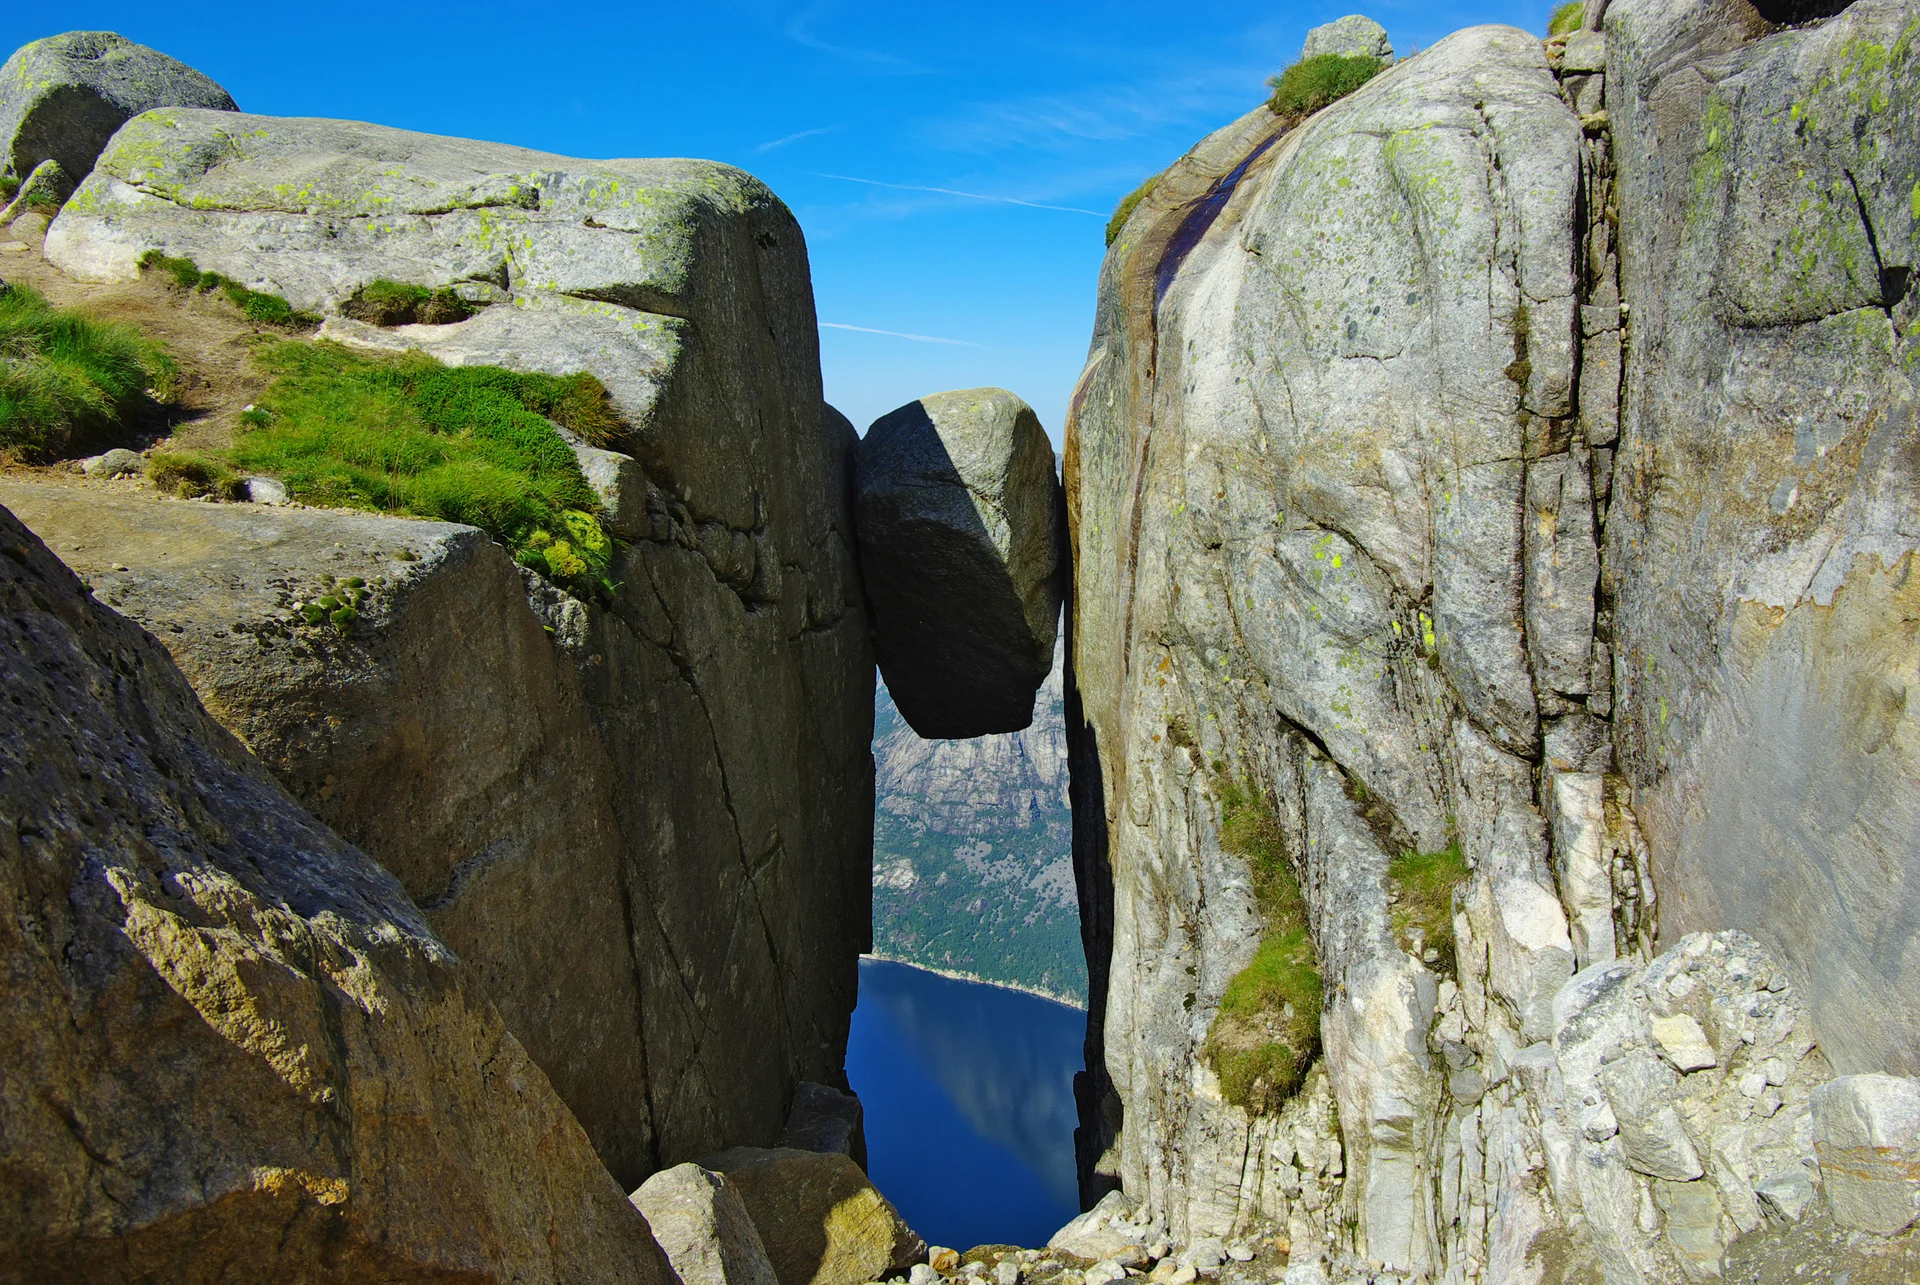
[(191, 474), (396, 303), (1128, 204), (1267, 1032), (1566, 18), (67, 380), (265, 309), (1312, 83), (406, 434), (1424, 883)]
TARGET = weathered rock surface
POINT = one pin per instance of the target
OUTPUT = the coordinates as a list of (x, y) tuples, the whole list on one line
[(454, 740), (962, 556), (1356, 570), (701, 1223), (820, 1219), (1354, 36), (825, 1119), (689, 762), (63, 97), (233, 1044), (1867, 1131), (1767, 501)]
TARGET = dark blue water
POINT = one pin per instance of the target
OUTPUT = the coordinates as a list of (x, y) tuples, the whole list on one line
[(968, 1091)]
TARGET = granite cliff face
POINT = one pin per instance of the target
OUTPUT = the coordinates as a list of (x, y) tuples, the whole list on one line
[(234, 1046), (1491, 505), (644, 821)]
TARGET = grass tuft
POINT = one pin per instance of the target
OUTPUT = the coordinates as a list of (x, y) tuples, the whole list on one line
[(467, 444), (395, 303), (265, 309), (1423, 917), (191, 474), (1566, 18), (1129, 203), (1267, 1032), (1312, 83), (9, 186), (66, 380)]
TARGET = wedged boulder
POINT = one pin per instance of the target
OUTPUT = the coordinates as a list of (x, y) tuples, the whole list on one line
[(63, 97), (231, 1043), (701, 1223), (820, 1219), (691, 759), (962, 554)]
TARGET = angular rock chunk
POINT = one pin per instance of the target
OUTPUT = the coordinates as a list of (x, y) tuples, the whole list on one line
[(228, 1036), (825, 1119), (1094, 1235), (63, 97), (820, 1219), (961, 548), (1353, 36), (1866, 1129), (698, 1218)]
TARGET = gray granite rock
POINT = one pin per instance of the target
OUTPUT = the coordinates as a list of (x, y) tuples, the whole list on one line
[(1353, 36), (703, 1227), (63, 97), (230, 1036), (1761, 538), (962, 556), (1867, 1131)]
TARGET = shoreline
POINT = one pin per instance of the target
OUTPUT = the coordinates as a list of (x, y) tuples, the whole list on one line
[(952, 974)]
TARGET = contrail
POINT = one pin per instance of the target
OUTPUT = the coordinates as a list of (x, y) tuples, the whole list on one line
[(971, 196), (794, 138), (899, 334)]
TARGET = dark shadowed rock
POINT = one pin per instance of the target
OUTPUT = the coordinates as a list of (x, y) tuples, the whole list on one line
[(62, 98), (825, 1119), (229, 1036), (959, 516)]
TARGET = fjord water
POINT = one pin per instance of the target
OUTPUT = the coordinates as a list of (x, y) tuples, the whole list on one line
[(968, 1091)]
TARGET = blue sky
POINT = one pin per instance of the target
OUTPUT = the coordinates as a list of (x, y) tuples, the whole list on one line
[(952, 165)]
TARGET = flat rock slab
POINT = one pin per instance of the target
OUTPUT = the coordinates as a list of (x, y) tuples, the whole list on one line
[(63, 97), (962, 549)]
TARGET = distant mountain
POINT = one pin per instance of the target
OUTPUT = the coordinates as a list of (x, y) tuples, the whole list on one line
[(972, 872)]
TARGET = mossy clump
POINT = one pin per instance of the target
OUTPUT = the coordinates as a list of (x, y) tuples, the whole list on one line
[(67, 380), (9, 186), (406, 434), (1312, 83), (265, 309), (1423, 915), (1128, 203), (396, 303), (192, 474), (1566, 18), (1267, 1032)]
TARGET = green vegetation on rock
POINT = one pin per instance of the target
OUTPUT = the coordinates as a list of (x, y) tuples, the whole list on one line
[(1566, 18), (1424, 883), (267, 309), (66, 379), (1267, 1032), (406, 434), (1128, 203), (1312, 83), (396, 303), (191, 474)]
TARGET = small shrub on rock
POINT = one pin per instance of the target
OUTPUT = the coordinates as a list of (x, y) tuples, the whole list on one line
[(1312, 83), (1566, 18), (1128, 204), (66, 379), (1424, 883)]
